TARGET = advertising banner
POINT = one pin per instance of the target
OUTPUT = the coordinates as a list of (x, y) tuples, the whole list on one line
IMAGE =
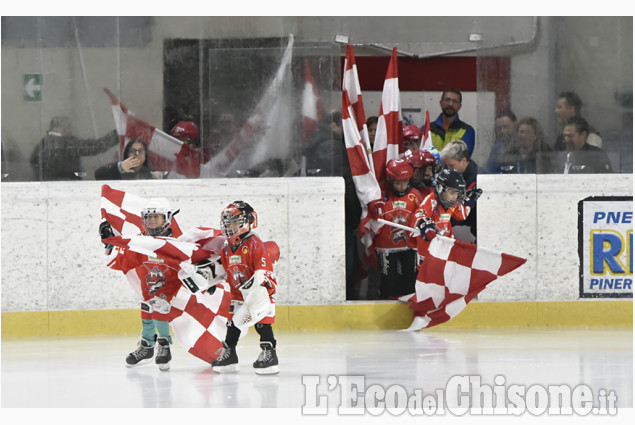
[(605, 231)]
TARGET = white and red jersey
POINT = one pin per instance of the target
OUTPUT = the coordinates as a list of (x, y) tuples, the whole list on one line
[(241, 263), (397, 209)]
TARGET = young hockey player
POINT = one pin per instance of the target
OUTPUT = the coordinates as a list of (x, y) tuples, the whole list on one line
[(159, 283), (424, 166), (438, 208), (248, 262), (397, 258), (411, 136)]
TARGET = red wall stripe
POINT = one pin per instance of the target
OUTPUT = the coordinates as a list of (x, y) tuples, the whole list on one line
[(437, 74)]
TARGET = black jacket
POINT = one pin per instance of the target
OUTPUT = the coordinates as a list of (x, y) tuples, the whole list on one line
[(58, 157)]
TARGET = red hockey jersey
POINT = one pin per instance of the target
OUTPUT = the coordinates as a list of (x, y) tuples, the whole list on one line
[(432, 208), (397, 209), (251, 255)]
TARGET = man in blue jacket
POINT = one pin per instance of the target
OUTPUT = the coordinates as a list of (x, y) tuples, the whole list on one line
[(448, 126)]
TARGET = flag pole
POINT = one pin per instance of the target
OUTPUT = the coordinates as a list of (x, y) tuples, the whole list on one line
[(397, 225)]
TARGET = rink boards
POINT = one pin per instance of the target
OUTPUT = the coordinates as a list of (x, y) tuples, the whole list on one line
[(54, 280)]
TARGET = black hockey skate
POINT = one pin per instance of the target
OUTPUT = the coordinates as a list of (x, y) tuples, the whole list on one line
[(227, 361), (143, 353), (267, 363), (163, 354)]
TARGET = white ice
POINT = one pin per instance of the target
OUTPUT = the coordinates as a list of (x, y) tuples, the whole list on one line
[(90, 371)]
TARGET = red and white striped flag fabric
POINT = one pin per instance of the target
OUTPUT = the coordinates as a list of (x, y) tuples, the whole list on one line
[(198, 320), (267, 133), (356, 133), (388, 132), (451, 275), (312, 107), (166, 153), (426, 143)]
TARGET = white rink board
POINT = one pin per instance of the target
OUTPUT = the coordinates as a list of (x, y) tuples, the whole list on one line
[(52, 256)]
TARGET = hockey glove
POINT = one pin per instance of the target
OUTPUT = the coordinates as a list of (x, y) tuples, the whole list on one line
[(471, 196), (202, 278), (376, 209), (105, 231), (427, 228)]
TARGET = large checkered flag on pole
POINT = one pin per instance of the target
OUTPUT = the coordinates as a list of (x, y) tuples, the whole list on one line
[(358, 148), (388, 132), (356, 133), (197, 319), (451, 275)]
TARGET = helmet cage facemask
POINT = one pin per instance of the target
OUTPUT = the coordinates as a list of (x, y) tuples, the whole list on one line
[(162, 230), (441, 190), (237, 221)]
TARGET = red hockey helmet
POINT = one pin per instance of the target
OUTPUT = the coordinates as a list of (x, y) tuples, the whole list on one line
[(237, 220), (419, 159), (411, 133), (185, 131), (399, 171)]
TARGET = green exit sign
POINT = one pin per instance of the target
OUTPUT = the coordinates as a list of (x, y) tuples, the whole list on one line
[(32, 87)]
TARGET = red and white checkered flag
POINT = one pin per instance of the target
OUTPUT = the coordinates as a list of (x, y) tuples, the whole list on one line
[(451, 275), (198, 320), (388, 132), (123, 211), (356, 133), (358, 150)]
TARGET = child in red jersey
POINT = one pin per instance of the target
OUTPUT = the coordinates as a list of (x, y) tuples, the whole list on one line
[(248, 262), (439, 207), (159, 283), (424, 165), (397, 258)]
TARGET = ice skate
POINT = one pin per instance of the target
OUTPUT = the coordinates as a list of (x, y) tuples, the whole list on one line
[(143, 354), (163, 354), (227, 361), (267, 363)]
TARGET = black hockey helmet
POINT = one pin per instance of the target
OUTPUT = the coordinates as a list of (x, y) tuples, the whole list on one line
[(449, 179)]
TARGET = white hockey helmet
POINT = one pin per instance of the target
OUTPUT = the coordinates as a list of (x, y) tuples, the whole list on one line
[(157, 206)]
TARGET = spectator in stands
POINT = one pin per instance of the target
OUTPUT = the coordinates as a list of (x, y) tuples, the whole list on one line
[(134, 166), (581, 157), (58, 155), (529, 153), (504, 131), (456, 156), (569, 105), (448, 126)]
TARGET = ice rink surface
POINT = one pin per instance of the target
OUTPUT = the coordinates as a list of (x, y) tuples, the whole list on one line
[(315, 366)]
